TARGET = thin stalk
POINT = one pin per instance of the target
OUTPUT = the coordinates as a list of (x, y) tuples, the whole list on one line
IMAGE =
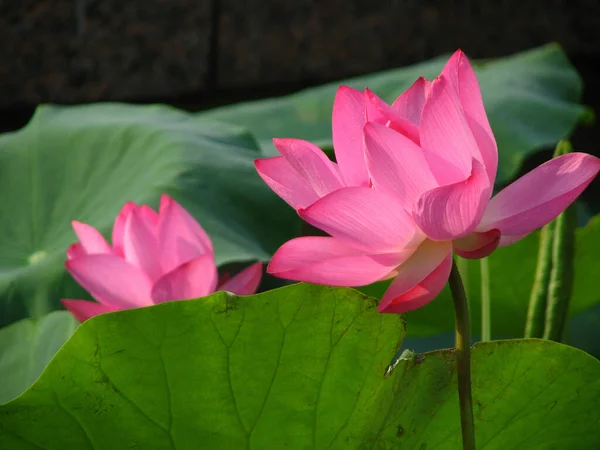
[(536, 313), (463, 358), (561, 275), (486, 317), (463, 268)]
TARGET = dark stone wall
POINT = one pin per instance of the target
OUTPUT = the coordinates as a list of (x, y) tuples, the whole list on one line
[(270, 41), (71, 51)]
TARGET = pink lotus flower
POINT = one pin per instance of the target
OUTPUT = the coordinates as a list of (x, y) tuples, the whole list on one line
[(154, 258), (413, 183)]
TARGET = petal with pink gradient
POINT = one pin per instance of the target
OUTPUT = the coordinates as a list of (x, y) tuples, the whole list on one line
[(410, 103), (119, 227), (283, 179), (348, 120), (454, 211), (420, 279), (445, 134), (75, 250), (397, 164), (380, 112), (477, 245), (111, 280), (140, 246), (244, 283), (325, 260), (195, 278), (82, 310), (321, 174), (540, 195), (364, 218), (459, 72), (180, 236), (91, 240), (224, 279), (509, 240), (150, 217)]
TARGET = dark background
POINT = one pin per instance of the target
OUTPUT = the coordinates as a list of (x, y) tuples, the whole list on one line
[(197, 54)]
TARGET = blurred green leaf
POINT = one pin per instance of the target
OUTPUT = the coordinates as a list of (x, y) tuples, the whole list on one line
[(26, 347)]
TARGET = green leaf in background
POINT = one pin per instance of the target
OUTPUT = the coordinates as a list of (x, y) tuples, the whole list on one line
[(83, 163), (298, 367), (27, 346), (531, 98), (512, 271)]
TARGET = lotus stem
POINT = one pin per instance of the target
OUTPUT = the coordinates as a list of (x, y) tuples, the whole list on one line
[(486, 317), (463, 358), (536, 314), (560, 285)]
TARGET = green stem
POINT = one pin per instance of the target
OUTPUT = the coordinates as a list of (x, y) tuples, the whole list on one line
[(463, 267), (463, 358), (561, 275), (536, 313), (486, 319)]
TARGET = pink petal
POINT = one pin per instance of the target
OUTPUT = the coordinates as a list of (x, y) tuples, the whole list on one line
[(280, 176), (180, 236), (477, 245), (445, 133), (194, 279), (540, 195), (111, 280), (420, 279), (91, 240), (397, 164), (410, 103), (509, 240), (246, 282), (75, 251), (149, 216), (82, 310), (459, 72), (349, 118), (224, 279), (363, 218), (312, 165), (454, 211), (324, 260), (119, 227), (140, 246), (380, 112)]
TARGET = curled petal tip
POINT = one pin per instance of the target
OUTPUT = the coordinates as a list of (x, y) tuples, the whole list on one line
[(245, 282), (407, 294), (477, 245)]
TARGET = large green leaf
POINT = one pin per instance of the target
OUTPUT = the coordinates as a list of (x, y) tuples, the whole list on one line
[(83, 163), (27, 346), (293, 363), (531, 99), (298, 367), (512, 271)]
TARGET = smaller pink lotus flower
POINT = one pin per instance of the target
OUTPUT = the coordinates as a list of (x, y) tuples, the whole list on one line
[(154, 258)]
